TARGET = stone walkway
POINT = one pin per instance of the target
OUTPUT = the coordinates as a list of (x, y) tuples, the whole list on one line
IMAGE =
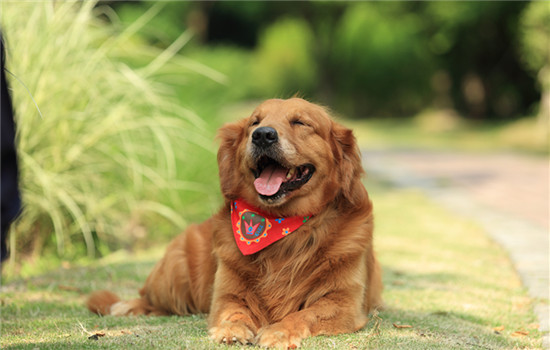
[(507, 194)]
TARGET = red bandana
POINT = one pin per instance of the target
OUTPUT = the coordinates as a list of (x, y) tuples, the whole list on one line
[(254, 230)]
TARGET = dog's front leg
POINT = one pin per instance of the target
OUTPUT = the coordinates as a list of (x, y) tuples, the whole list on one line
[(231, 320), (335, 313)]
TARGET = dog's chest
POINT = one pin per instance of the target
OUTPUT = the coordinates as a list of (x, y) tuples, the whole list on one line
[(286, 287)]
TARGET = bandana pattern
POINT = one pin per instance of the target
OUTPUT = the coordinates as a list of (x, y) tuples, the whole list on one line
[(254, 230)]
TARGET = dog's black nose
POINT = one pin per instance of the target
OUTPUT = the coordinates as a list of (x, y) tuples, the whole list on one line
[(264, 136)]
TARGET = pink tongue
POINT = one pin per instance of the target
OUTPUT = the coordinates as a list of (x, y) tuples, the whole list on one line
[(270, 180)]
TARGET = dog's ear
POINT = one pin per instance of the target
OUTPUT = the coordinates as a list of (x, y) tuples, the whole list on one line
[(230, 136), (347, 158)]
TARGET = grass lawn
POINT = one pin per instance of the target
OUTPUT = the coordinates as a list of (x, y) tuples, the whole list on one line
[(526, 135), (447, 286)]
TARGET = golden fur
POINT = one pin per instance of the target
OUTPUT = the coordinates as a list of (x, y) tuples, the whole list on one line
[(322, 279)]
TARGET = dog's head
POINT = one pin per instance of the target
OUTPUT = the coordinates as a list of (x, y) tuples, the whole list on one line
[(289, 158)]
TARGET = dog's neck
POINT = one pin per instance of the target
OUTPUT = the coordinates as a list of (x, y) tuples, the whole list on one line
[(255, 230)]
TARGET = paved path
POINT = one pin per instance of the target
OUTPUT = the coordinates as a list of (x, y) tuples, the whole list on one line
[(507, 194)]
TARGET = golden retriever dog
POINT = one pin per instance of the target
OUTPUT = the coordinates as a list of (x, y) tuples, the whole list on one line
[(290, 253)]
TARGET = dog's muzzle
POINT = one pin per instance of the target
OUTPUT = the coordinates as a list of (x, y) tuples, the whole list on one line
[(274, 176)]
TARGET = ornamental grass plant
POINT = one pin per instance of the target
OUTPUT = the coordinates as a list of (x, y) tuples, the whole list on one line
[(105, 151)]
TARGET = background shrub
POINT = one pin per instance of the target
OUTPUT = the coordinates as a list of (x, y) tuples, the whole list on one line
[(370, 59), (535, 53), (284, 63), (381, 62)]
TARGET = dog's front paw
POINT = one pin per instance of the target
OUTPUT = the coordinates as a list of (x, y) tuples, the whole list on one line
[(230, 332), (281, 337)]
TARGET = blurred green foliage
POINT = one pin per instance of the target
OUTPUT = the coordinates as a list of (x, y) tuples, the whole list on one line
[(285, 67), (375, 48), (375, 58), (160, 30), (535, 50), (535, 36)]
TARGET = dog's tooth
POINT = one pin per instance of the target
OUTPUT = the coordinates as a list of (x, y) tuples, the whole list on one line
[(290, 173)]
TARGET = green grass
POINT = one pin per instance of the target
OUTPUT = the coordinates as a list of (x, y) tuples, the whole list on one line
[(442, 276), (445, 130)]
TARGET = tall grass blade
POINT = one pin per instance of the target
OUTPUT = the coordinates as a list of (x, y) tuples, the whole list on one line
[(27, 89), (167, 54)]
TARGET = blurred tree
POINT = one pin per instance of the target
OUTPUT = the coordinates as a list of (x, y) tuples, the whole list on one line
[(374, 58), (379, 61), (235, 22), (535, 52), (474, 42), (284, 62)]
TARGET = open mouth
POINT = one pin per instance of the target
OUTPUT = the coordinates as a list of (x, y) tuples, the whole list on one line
[(274, 180)]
